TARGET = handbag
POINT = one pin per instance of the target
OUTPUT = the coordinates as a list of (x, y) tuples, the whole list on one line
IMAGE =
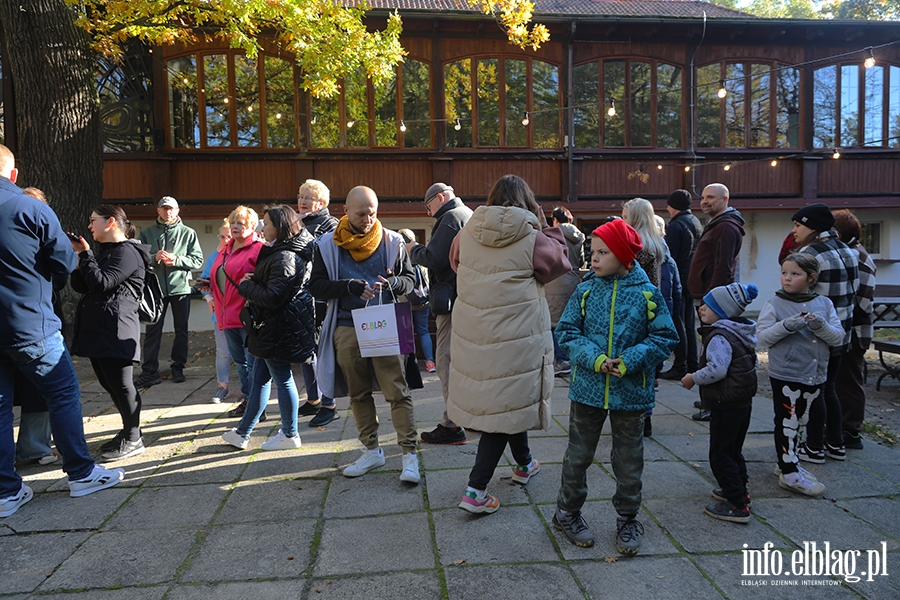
[(384, 329), (250, 320), (419, 295)]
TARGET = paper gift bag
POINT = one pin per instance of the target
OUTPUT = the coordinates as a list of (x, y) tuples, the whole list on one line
[(384, 329)]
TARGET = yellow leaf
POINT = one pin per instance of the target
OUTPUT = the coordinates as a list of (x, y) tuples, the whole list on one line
[(611, 559)]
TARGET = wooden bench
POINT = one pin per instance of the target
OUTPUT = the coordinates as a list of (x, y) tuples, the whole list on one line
[(889, 370)]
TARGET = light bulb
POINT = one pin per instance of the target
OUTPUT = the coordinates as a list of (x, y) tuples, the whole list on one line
[(250, 108), (526, 120), (457, 126), (225, 100), (402, 125), (774, 163), (350, 124), (687, 169), (612, 108), (727, 167), (870, 60), (836, 155), (277, 115), (659, 167), (722, 91), (186, 80)]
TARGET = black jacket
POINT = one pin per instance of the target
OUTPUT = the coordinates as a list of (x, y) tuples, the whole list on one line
[(449, 220), (739, 386), (279, 299), (682, 236), (106, 324), (320, 222)]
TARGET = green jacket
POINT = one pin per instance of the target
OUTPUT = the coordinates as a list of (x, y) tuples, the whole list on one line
[(180, 240)]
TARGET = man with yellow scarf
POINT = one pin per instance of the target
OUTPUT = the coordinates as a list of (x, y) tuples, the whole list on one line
[(353, 263)]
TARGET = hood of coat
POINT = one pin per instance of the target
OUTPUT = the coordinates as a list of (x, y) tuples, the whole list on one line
[(571, 233), (303, 244), (743, 328), (500, 226), (142, 249), (729, 214)]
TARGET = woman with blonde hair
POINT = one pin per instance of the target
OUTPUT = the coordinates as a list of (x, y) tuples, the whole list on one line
[(639, 213)]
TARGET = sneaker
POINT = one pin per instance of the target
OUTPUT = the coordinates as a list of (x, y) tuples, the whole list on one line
[(575, 528), (523, 474), (726, 511), (10, 505), (368, 460), (235, 439), (48, 459), (476, 505), (147, 379), (238, 411), (853, 441), (445, 435), (410, 472), (835, 452), (324, 416), (807, 454), (796, 482), (698, 404), (648, 427), (673, 375), (309, 409), (99, 479), (281, 442), (800, 470), (114, 443), (703, 415), (125, 449), (628, 535), (220, 395), (562, 367), (718, 495), (178, 375), (430, 366)]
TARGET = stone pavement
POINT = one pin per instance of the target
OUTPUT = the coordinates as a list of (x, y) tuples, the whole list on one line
[(196, 518)]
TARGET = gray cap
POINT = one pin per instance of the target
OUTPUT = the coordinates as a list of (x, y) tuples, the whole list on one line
[(435, 189), (168, 201)]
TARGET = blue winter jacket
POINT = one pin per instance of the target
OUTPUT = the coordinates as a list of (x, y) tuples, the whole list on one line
[(619, 316)]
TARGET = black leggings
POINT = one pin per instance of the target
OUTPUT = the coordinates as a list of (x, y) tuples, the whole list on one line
[(490, 449), (792, 401), (115, 375)]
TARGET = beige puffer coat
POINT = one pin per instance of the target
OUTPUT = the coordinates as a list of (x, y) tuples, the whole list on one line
[(501, 375)]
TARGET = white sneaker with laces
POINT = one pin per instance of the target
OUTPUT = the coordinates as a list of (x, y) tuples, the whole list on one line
[(800, 470), (235, 439), (368, 460), (10, 505), (99, 479), (281, 442), (410, 472), (49, 459), (796, 482)]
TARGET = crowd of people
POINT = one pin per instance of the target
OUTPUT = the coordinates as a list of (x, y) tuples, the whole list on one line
[(511, 306)]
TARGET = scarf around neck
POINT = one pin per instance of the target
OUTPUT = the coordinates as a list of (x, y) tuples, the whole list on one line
[(360, 245), (809, 295)]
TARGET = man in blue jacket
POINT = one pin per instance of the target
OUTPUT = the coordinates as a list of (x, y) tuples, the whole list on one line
[(34, 254)]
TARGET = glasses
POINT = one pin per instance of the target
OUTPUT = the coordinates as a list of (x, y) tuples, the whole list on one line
[(427, 202), (223, 237), (240, 225), (307, 198)]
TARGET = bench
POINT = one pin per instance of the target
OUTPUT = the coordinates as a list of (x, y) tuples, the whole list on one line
[(889, 370), (886, 306)]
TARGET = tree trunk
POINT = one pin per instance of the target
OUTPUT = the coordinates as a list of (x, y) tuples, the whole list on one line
[(51, 66)]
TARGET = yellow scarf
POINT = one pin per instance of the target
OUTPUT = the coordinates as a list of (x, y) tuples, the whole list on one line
[(360, 245)]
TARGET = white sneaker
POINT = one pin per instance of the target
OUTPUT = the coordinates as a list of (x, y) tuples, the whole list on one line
[(796, 482), (10, 505), (281, 442), (99, 479), (410, 472), (368, 460), (800, 470), (235, 439), (48, 459)]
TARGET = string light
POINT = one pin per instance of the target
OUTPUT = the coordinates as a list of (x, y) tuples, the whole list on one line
[(525, 119), (225, 100), (458, 126), (727, 166), (722, 91), (836, 155), (277, 115), (687, 168), (402, 125), (870, 60), (659, 167), (350, 124), (774, 163), (612, 108), (250, 108)]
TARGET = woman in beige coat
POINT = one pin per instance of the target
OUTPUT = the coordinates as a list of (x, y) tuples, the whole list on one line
[(502, 370)]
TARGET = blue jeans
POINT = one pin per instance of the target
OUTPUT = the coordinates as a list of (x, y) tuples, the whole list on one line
[(48, 365), (34, 436), (265, 372), (223, 356), (243, 360), (420, 322)]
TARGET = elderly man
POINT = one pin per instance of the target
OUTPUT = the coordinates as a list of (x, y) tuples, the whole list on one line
[(35, 254), (715, 259), (450, 216), (312, 204), (353, 263), (176, 251)]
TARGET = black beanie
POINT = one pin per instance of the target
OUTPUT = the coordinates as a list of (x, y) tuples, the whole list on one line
[(679, 200), (817, 217)]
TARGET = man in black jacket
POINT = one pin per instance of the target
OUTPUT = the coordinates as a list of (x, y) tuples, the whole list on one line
[(450, 215)]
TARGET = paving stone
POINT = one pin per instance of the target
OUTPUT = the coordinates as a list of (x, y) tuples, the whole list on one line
[(377, 587), (270, 590), (186, 469), (253, 501), (544, 488), (439, 456), (671, 480), (663, 578), (164, 508), (56, 511), (375, 493), (29, 559), (311, 460), (853, 481), (882, 513), (548, 582), (445, 488), (155, 592)]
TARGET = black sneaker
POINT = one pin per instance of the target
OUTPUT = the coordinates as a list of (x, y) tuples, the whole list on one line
[(324, 416), (308, 410), (718, 495), (726, 511), (147, 379), (178, 375), (648, 427), (238, 411), (445, 435), (628, 535), (698, 404), (853, 441), (573, 525), (835, 452), (703, 415), (112, 444), (673, 375), (124, 450), (806, 453)]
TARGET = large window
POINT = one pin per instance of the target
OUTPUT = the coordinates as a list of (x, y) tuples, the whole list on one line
[(856, 106), (487, 100), (396, 114), (646, 96), (126, 101), (226, 100), (748, 105)]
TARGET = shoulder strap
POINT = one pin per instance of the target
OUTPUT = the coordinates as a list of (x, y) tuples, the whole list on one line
[(225, 271)]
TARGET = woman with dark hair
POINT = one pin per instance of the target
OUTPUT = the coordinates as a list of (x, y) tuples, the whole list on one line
[(107, 329), (501, 376), (283, 325), (851, 383), (559, 290)]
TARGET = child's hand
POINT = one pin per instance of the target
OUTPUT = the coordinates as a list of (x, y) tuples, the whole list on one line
[(688, 381), (612, 366), (795, 323)]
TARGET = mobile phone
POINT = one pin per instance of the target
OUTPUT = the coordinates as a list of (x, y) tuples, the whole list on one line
[(74, 237)]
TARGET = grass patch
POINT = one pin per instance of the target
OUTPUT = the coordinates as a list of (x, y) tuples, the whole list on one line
[(880, 432)]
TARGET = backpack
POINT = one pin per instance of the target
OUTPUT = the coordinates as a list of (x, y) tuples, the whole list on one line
[(150, 302), (419, 295)]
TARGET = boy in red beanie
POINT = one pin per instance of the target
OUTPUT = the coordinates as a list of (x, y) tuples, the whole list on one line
[(616, 330)]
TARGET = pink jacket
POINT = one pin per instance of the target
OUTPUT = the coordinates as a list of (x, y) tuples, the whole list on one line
[(237, 264)]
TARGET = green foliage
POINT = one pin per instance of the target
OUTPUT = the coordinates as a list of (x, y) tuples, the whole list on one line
[(783, 9)]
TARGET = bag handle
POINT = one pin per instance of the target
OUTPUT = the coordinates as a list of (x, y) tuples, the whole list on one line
[(390, 289)]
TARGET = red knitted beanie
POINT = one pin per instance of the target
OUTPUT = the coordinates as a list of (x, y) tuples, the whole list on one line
[(621, 238)]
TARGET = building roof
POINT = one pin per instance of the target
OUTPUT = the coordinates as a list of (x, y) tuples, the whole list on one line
[(580, 8)]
